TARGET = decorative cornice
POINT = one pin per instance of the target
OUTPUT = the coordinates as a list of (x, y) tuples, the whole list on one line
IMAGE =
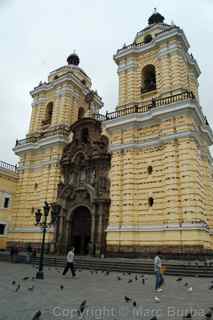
[(45, 87), (52, 140), (155, 141), (157, 114), (161, 37), (9, 174)]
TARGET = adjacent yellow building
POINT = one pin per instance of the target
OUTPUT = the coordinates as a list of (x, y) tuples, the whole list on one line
[(8, 183), (161, 174)]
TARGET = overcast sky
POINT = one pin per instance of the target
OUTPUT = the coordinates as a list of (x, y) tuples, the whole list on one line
[(37, 36)]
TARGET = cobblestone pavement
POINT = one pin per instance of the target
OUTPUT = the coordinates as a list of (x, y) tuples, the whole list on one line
[(104, 294)]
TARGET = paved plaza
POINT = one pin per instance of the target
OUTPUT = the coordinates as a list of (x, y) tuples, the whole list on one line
[(59, 298)]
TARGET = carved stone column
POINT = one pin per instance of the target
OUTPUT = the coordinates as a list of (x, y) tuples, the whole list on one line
[(93, 231), (99, 236), (61, 248)]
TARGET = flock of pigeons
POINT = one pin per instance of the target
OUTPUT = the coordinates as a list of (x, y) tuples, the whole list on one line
[(131, 278)]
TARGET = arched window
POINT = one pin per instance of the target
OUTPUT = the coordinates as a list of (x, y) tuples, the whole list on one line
[(150, 201), (48, 114), (147, 38), (85, 135), (2, 228), (80, 113), (148, 78), (149, 169)]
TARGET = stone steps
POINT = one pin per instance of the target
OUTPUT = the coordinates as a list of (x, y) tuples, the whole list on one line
[(132, 267), (144, 266)]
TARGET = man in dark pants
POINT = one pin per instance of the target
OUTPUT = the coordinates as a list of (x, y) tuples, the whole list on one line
[(12, 252), (158, 274), (70, 262)]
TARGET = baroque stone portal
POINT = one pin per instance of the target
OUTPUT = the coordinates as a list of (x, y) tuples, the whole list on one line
[(84, 193)]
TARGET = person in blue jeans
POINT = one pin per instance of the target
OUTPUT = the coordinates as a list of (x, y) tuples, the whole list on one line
[(159, 277)]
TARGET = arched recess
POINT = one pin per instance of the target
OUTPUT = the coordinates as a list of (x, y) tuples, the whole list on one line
[(81, 113), (148, 78), (48, 114), (80, 230), (3, 227)]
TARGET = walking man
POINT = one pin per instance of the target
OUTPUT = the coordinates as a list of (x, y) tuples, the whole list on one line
[(29, 254), (70, 262), (12, 253), (158, 274)]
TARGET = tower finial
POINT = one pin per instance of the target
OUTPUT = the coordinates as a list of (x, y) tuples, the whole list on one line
[(73, 59), (156, 17)]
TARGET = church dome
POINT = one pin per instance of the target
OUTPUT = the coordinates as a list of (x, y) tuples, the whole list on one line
[(156, 17), (73, 59)]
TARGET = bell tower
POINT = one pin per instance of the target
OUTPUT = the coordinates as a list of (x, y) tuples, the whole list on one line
[(161, 166), (156, 64), (58, 103)]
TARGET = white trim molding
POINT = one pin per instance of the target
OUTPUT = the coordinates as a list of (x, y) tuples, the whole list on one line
[(157, 228), (30, 230), (155, 141), (52, 140), (158, 114)]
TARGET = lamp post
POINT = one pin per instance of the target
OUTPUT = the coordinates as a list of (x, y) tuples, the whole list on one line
[(44, 225)]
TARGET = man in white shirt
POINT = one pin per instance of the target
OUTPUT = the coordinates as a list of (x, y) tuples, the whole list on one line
[(70, 262), (157, 269)]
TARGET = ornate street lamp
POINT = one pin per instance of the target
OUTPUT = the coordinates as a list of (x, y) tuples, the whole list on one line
[(44, 225)]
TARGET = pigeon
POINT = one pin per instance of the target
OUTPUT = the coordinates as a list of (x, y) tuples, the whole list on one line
[(179, 279), (134, 304), (61, 287), (25, 278), (31, 288), (186, 284), (118, 278), (188, 316), (156, 299), (37, 315), (130, 280), (189, 289), (127, 299), (82, 306), (18, 288), (208, 315)]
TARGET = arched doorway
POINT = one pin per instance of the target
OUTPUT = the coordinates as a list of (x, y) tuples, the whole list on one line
[(81, 229)]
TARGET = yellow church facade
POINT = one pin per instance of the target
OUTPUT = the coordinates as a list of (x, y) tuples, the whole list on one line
[(138, 179)]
